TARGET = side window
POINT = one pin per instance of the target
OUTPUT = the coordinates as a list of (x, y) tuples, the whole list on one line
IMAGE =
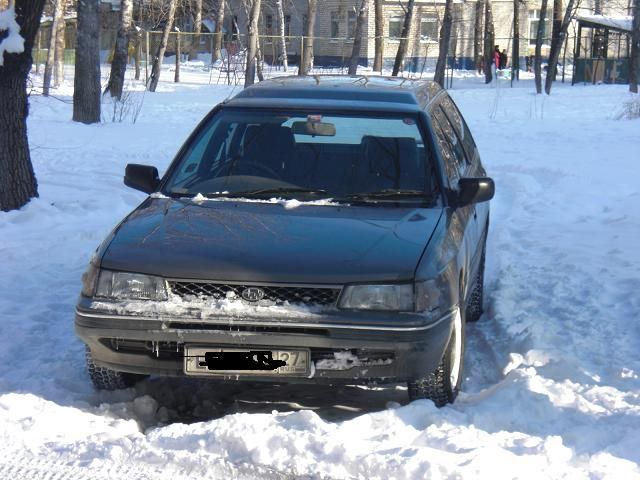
[(458, 159), (450, 162), (460, 126)]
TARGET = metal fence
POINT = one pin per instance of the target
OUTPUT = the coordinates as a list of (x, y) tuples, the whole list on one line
[(330, 54)]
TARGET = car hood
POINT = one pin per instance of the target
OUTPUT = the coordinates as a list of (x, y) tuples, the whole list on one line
[(271, 241)]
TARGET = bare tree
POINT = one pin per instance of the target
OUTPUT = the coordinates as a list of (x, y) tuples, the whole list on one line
[(306, 60), (634, 61), (121, 51), (404, 40), (176, 75), (537, 65), (515, 51), (281, 32), (217, 47), (197, 28), (86, 84), (489, 41), (58, 16), (357, 40), (157, 61), (445, 37), (558, 38), (379, 32), (477, 35), (252, 42), (17, 180), (58, 70)]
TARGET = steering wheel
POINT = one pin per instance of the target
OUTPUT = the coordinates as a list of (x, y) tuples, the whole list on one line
[(258, 166)]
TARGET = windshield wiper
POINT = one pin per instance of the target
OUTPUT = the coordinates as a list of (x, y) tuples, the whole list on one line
[(269, 191), (390, 194)]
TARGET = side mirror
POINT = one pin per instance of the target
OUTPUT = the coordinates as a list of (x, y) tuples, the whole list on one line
[(141, 177), (474, 190)]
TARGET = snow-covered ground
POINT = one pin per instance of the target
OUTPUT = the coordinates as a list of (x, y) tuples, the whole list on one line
[(551, 380)]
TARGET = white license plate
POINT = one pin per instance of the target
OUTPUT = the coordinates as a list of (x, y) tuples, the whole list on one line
[(202, 360)]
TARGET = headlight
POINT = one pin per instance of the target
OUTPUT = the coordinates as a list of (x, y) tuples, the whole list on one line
[(396, 298), (89, 279), (133, 286)]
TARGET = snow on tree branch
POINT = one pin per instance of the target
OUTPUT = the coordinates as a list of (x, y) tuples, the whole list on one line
[(13, 41)]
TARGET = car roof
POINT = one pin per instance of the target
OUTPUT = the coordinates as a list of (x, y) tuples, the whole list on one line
[(341, 92)]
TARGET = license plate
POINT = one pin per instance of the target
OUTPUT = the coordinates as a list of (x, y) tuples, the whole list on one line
[(200, 360)]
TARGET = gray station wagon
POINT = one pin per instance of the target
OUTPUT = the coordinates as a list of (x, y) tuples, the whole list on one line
[(325, 229)]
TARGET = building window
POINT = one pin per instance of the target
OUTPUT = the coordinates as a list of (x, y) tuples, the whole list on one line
[(534, 20), (395, 27), (429, 27), (287, 25), (351, 24), (335, 25), (268, 24)]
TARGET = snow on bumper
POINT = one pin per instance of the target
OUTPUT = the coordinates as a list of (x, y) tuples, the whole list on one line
[(344, 347)]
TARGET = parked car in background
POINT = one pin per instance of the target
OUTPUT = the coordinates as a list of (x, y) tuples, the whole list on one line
[(325, 229)]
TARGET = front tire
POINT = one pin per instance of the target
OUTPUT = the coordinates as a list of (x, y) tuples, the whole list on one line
[(106, 379), (442, 385), (474, 306)]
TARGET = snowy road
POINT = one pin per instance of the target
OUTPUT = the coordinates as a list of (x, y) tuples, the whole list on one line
[(551, 380)]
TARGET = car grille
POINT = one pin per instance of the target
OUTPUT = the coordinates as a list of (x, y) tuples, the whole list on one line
[(272, 294)]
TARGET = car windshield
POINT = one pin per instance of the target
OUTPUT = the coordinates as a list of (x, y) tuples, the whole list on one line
[(306, 155)]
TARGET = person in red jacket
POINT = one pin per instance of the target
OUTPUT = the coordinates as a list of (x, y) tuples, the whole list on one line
[(496, 57)]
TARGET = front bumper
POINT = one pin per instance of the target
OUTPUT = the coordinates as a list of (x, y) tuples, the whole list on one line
[(384, 347)]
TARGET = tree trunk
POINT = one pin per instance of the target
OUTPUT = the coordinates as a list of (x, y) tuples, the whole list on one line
[(195, 44), (556, 34), (445, 37), (306, 62), (121, 51), (86, 85), (515, 51), (379, 40), (176, 76), (357, 40), (489, 41), (404, 41), (252, 43), (281, 32), (58, 70), (138, 42), (477, 36), (537, 64), (17, 180), (217, 47), (157, 61), (51, 53), (634, 61), (556, 43)]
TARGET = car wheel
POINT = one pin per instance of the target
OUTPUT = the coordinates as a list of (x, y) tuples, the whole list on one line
[(474, 306), (106, 379), (442, 385)]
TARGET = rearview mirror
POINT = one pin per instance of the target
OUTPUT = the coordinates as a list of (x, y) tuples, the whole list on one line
[(318, 129), (141, 177), (474, 190)]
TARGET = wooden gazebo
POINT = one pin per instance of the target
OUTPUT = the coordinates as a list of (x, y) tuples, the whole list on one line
[(603, 49)]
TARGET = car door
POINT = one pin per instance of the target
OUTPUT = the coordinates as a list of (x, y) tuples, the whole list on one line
[(475, 168), (463, 224)]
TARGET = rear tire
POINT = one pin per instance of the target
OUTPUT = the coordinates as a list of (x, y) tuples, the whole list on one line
[(106, 379), (442, 385)]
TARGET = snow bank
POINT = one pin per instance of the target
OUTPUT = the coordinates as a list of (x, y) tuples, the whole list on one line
[(552, 386), (13, 42)]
